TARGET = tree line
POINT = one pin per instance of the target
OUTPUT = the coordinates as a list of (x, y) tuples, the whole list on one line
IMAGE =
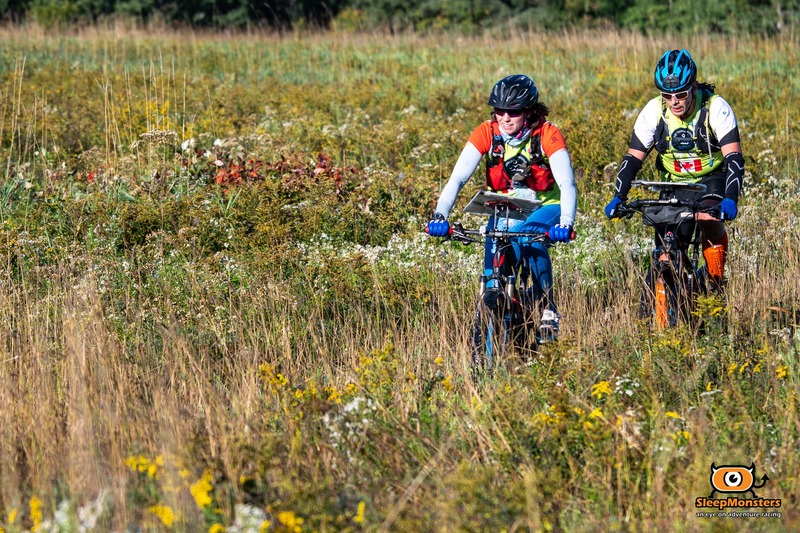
[(677, 16)]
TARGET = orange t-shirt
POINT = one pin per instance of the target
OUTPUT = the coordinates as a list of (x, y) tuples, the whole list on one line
[(552, 140)]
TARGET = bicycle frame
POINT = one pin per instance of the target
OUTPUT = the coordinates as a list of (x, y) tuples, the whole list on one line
[(504, 308), (674, 279)]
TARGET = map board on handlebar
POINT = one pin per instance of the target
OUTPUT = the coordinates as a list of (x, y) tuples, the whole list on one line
[(669, 186), (519, 207)]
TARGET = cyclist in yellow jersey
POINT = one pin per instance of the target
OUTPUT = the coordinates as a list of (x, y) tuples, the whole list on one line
[(696, 135)]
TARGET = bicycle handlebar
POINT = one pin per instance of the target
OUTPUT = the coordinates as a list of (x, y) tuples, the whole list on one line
[(698, 208), (459, 233)]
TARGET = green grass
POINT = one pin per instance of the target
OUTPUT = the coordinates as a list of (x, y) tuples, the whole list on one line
[(217, 301)]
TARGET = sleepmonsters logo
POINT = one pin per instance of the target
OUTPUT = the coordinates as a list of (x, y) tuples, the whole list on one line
[(738, 481)]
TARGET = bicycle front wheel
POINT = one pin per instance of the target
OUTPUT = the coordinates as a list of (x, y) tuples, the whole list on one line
[(491, 332)]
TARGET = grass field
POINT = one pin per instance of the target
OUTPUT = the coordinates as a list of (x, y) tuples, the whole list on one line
[(218, 310)]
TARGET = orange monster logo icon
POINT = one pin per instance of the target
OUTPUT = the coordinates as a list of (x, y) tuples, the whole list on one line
[(735, 478)]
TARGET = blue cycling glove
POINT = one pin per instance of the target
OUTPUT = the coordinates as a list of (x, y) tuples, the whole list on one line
[(560, 233), (438, 226), (611, 208), (728, 209)]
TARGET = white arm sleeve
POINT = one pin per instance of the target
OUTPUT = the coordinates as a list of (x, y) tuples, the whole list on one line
[(561, 165), (467, 162)]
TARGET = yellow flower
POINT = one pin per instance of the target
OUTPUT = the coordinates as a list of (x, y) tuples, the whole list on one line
[(673, 414), (601, 389), (292, 522), (138, 463), (709, 386), (743, 367), (36, 512), (165, 513), (438, 360), (333, 394), (12, 516), (216, 528), (596, 413), (782, 371), (681, 437), (732, 368), (447, 384), (359, 517), (311, 390), (201, 490)]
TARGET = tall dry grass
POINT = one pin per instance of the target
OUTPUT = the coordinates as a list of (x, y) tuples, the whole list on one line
[(143, 346)]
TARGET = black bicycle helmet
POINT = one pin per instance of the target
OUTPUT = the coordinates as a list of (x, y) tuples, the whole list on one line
[(675, 71), (514, 92)]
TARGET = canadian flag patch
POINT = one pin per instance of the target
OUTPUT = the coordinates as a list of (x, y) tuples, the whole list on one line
[(688, 165)]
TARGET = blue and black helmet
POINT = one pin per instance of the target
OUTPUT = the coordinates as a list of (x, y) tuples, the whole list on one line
[(675, 71), (514, 92)]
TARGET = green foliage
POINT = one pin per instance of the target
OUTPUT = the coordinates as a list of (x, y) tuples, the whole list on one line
[(682, 16)]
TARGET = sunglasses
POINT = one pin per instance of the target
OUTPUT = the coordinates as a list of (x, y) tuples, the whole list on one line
[(513, 113), (683, 95)]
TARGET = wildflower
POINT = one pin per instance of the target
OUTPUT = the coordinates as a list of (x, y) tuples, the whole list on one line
[(216, 528), (359, 517), (743, 367), (292, 522), (447, 384), (681, 437), (137, 464), (673, 414), (165, 513), (36, 512), (596, 413), (334, 396), (152, 469), (249, 518), (438, 360), (732, 368), (201, 490), (782, 371), (601, 389), (12, 516)]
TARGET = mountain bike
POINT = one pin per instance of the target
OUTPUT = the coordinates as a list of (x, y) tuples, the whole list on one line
[(674, 279), (507, 307)]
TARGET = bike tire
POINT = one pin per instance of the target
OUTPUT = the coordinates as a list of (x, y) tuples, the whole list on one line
[(491, 333)]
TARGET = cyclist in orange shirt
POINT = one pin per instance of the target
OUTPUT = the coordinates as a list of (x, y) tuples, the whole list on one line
[(522, 150)]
